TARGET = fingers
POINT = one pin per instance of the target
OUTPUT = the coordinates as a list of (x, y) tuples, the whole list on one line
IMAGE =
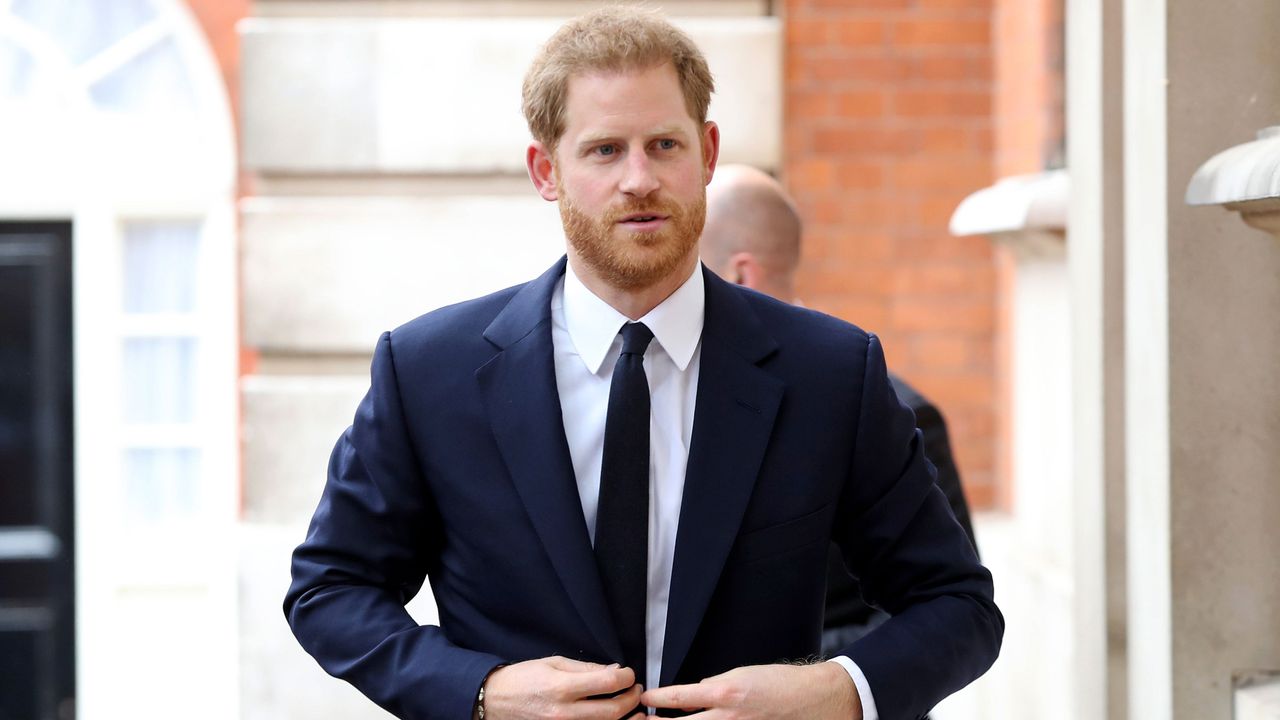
[(560, 662), (602, 680), (614, 707), (562, 688), (608, 708), (682, 697)]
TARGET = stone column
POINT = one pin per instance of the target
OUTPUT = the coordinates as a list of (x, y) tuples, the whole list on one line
[(1246, 179), (1095, 100), (1202, 401), (1030, 551)]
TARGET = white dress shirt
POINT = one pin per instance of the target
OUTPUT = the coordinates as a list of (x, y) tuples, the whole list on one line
[(584, 335)]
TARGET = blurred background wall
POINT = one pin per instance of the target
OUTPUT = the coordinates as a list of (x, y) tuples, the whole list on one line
[(209, 209)]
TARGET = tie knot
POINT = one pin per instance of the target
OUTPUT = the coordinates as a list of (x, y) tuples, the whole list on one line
[(635, 338)]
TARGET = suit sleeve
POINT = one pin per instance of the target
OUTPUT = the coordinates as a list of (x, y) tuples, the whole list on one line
[(366, 554), (899, 537)]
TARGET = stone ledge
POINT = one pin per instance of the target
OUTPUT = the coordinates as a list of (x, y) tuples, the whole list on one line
[(1257, 696), (490, 8), (1240, 174), (1028, 212)]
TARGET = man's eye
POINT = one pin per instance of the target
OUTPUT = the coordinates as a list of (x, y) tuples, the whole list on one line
[(606, 150), (667, 144)]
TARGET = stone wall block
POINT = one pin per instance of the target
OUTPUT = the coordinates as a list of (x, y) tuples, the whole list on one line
[(442, 95), (290, 426), (308, 97), (329, 275)]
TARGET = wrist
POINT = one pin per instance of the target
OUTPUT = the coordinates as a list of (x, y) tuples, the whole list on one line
[(478, 709), (840, 689)]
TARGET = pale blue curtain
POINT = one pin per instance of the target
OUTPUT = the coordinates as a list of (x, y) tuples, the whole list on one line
[(160, 374)]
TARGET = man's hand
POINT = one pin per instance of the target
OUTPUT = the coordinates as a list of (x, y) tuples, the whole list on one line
[(560, 688), (766, 692)]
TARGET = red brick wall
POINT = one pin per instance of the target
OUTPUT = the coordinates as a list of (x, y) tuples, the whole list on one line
[(218, 19), (1029, 123), (889, 125)]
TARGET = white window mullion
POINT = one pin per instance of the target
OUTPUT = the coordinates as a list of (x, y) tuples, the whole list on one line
[(162, 436), (96, 278), (167, 325), (120, 53), (217, 294)]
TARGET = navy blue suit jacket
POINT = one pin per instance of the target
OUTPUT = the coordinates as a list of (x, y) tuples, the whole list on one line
[(456, 468)]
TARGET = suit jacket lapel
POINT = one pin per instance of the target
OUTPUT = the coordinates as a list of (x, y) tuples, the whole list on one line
[(519, 390), (736, 405)]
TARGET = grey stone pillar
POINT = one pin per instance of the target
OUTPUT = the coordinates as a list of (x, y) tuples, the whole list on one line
[(1202, 405), (1246, 179)]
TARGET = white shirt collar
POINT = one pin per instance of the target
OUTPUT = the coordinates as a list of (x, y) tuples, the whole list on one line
[(593, 324)]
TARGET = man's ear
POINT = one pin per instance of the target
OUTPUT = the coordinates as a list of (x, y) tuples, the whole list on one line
[(710, 148), (542, 170), (745, 270)]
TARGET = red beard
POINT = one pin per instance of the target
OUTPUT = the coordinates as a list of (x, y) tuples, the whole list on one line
[(631, 260)]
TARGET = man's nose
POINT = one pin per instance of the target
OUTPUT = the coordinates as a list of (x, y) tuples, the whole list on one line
[(638, 177)]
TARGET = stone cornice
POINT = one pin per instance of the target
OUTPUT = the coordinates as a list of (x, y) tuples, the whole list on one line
[(1245, 179)]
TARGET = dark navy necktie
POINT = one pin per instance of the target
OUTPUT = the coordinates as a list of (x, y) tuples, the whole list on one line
[(622, 516)]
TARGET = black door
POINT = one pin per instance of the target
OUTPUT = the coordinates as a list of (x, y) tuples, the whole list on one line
[(37, 570)]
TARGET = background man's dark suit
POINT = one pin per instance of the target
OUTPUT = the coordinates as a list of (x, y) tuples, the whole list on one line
[(457, 467), (937, 447)]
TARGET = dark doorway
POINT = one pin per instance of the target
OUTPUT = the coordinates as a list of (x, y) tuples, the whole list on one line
[(37, 542)]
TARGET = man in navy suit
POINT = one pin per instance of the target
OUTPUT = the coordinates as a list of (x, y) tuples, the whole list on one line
[(486, 450)]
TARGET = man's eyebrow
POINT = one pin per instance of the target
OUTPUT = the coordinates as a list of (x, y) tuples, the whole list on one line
[(596, 138), (669, 131)]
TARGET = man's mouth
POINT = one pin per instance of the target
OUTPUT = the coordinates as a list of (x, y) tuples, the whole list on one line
[(642, 219)]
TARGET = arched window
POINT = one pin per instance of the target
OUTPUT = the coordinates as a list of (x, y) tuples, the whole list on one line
[(113, 116)]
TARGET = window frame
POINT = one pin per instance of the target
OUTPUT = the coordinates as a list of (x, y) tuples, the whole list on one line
[(69, 160)]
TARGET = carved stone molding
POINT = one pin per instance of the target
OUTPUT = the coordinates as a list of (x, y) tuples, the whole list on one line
[(1026, 212), (1244, 179)]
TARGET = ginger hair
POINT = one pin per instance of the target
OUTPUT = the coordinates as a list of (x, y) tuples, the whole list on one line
[(612, 39)]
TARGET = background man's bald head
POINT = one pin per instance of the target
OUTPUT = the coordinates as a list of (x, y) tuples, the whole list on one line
[(752, 232)]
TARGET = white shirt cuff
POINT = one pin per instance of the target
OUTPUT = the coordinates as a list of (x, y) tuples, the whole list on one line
[(860, 682)]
